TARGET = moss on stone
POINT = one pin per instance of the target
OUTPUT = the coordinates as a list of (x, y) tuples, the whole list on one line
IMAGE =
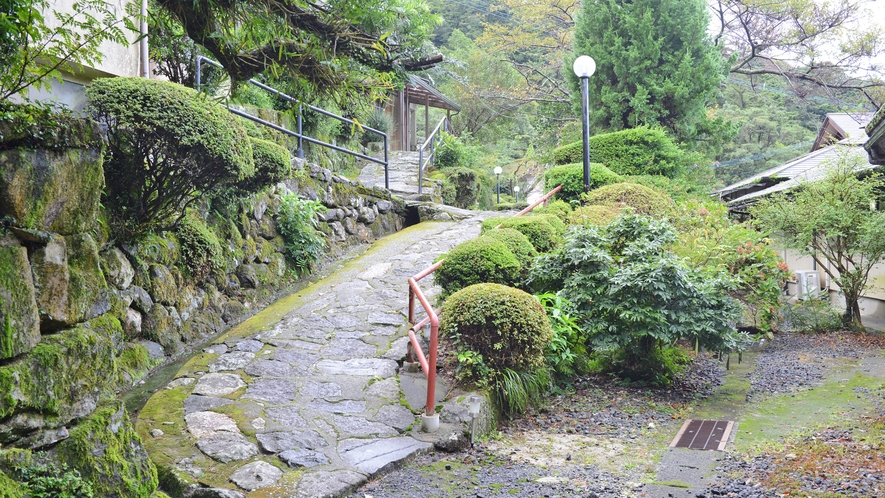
[(162, 249), (18, 306), (87, 285), (106, 449), (134, 362), (58, 373), (9, 488)]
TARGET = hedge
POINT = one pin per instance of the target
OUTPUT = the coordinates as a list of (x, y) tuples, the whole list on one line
[(637, 151)]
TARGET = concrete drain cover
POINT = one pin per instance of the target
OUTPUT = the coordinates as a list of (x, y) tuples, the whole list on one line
[(703, 435)]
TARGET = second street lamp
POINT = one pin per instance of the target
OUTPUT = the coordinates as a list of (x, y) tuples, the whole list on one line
[(498, 171), (516, 189), (584, 68)]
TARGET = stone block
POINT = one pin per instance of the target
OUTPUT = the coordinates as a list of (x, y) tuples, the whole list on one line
[(107, 451), (56, 190), (164, 288), (88, 296), (18, 306), (117, 268)]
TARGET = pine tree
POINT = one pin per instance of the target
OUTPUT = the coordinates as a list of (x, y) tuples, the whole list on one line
[(655, 65)]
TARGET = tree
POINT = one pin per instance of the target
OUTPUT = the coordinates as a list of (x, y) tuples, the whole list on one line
[(831, 221), (822, 43), (344, 47), (33, 52), (655, 63), (534, 38)]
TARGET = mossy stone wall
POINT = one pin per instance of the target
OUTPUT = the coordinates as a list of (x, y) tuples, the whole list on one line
[(83, 316)]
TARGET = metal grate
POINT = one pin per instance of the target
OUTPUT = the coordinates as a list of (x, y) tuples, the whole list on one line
[(703, 435)]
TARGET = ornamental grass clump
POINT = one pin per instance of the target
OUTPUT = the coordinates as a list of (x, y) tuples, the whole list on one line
[(477, 261), (500, 335)]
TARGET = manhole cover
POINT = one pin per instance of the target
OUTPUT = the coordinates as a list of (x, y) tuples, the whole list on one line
[(703, 435)]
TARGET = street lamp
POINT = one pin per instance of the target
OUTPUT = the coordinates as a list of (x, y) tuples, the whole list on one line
[(516, 189), (498, 171), (584, 68)]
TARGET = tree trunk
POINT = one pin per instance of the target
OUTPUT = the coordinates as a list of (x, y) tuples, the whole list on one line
[(852, 319)]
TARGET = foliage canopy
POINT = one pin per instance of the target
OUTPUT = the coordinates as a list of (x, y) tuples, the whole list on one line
[(831, 221), (655, 63)]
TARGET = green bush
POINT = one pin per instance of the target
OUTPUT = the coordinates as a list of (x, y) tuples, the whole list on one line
[(558, 225), (449, 152), (814, 316), (637, 151), (380, 121), (571, 177), (201, 251), (297, 222), (49, 481), (593, 215), (567, 352), (466, 184), (635, 297), (273, 164), (518, 244), (481, 260), (537, 228), (557, 207), (642, 200), (500, 335), (165, 143), (710, 241)]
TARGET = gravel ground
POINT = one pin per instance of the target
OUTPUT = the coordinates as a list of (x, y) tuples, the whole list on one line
[(603, 411), (797, 362)]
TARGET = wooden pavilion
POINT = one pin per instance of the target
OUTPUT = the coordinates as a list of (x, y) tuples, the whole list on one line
[(403, 108)]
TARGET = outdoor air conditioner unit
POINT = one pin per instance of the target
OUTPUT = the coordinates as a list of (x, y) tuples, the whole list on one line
[(807, 284)]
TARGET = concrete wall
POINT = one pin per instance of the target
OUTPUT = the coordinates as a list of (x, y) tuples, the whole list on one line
[(118, 60), (873, 302)]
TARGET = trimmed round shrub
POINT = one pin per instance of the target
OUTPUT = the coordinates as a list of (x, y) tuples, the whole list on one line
[(518, 244), (543, 237), (553, 220), (165, 143), (637, 151), (642, 199), (481, 260), (506, 326), (558, 207), (201, 252), (491, 223), (272, 165), (593, 215), (571, 177)]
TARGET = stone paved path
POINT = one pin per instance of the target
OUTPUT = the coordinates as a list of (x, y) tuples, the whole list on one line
[(304, 399), (402, 173)]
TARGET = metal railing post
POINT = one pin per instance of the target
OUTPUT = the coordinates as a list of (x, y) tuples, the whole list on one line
[(386, 164), (300, 135), (420, 170), (197, 72)]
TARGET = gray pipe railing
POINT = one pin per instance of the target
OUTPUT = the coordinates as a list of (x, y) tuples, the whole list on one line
[(300, 133), (431, 142)]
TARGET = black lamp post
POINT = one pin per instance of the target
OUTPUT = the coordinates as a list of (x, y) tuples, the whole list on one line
[(498, 171), (584, 67)]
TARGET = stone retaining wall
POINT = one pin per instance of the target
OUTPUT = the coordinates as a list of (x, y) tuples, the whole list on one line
[(83, 316)]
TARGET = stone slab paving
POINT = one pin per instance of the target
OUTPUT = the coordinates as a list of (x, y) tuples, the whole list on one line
[(305, 399)]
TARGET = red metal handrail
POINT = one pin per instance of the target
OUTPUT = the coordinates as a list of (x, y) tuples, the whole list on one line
[(428, 365)]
